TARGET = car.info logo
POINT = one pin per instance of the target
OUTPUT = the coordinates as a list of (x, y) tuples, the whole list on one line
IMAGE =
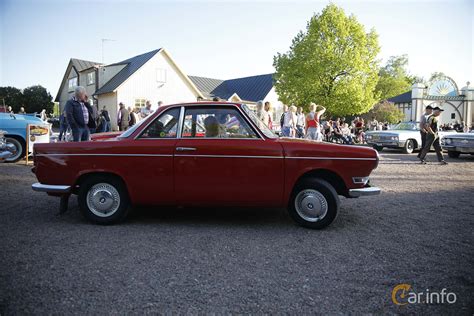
[(403, 294)]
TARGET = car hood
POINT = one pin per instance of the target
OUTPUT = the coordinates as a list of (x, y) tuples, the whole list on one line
[(391, 132), (460, 135), (308, 148)]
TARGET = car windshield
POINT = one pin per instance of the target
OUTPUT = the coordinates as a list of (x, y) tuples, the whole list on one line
[(132, 129), (406, 126), (262, 126)]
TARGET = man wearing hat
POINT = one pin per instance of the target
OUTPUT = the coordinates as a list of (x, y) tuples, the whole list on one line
[(423, 119), (432, 137)]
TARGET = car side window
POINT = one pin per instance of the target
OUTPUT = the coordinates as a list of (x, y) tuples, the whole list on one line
[(214, 122), (165, 126)]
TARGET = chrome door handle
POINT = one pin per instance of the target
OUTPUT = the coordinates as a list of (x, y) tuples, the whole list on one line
[(185, 149)]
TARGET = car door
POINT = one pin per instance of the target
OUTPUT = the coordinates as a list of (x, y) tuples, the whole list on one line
[(151, 175), (221, 159)]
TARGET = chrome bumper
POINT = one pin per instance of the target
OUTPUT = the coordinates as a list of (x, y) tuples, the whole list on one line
[(50, 188), (364, 191)]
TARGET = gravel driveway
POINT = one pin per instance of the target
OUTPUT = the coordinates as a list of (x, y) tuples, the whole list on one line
[(419, 232)]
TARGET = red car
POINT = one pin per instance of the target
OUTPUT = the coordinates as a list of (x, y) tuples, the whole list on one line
[(204, 154)]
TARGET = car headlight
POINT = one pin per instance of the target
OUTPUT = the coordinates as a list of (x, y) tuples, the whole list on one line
[(447, 141), (369, 136), (394, 138)]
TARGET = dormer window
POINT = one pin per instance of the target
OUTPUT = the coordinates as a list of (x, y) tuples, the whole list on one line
[(72, 83), (90, 78)]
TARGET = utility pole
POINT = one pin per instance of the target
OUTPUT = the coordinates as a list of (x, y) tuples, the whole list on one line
[(103, 41)]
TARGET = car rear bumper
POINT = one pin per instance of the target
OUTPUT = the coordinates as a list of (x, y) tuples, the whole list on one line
[(364, 191), (50, 188)]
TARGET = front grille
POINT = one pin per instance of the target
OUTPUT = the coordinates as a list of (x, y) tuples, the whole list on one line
[(462, 142)]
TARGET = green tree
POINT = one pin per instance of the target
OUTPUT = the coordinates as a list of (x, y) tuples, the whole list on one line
[(11, 96), (435, 75), (385, 111), (332, 63), (37, 98), (394, 78)]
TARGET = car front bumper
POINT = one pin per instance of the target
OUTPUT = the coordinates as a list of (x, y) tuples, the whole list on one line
[(51, 188), (389, 144), (364, 191), (465, 150)]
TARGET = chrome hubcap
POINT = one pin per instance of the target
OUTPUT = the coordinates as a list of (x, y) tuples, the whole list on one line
[(103, 199), (311, 205)]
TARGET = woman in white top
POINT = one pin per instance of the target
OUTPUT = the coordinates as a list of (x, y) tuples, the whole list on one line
[(289, 122)]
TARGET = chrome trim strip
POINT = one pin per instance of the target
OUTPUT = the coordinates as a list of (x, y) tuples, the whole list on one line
[(180, 122), (210, 156), (230, 156), (39, 187), (364, 191), (332, 158), (119, 155), (185, 149)]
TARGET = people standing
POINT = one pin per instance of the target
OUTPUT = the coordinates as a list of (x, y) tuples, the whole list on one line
[(94, 115), (423, 120), (289, 122), (260, 111), (22, 110), (133, 117), (9, 110), (268, 115), (144, 112), (313, 130), (63, 126), (300, 123), (432, 137), (43, 115), (159, 104), (78, 115), (123, 117), (105, 120), (282, 117)]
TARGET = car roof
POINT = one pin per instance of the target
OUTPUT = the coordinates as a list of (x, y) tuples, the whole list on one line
[(202, 103)]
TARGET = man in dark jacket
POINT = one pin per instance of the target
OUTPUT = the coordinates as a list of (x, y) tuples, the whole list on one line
[(78, 114)]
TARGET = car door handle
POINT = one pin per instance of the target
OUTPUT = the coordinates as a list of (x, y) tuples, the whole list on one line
[(185, 149)]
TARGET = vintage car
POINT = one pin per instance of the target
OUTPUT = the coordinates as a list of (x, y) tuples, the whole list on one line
[(6, 149), (405, 136), (166, 159), (15, 127), (457, 144)]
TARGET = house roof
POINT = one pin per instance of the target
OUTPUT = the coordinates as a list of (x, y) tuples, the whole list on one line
[(252, 88), (79, 65), (401, 98), (132, 65)]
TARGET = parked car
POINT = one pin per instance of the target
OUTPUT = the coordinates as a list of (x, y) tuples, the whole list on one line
[(405, 136), (15, 127), (457, 144), (166, 159)]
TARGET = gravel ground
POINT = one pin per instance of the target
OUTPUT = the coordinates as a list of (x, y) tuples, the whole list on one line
[(419, 231)]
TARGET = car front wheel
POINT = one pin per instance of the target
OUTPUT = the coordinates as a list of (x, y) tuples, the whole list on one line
[(453, 154), (103, 199), (314, 204), (20, 149), (409, 146)]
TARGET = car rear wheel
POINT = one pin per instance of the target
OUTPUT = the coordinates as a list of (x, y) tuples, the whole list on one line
[(409, 146), (103, 199), (377, 148), (453, 154), (20, 149), (314, 204)]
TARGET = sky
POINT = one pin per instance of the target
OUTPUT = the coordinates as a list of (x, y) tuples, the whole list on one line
[(219, 39)]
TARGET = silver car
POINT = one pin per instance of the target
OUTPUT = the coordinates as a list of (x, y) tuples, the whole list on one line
[(405, 136), (457, 144)]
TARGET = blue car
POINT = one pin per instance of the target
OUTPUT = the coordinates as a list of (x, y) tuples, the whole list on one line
[(15, 126)]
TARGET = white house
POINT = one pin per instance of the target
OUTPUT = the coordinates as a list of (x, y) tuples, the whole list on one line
[(156, 77), (442, 91)]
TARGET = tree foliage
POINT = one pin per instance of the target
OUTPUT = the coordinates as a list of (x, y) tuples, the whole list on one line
[(11, 96), (332, 63), (385, 111), (394, 78), (33, 99), (37, 98)]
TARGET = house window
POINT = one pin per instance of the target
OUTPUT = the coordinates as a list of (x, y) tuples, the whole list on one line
[(160, 75), (72, 83), (139, 103), (453, 116), (91, 78)]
